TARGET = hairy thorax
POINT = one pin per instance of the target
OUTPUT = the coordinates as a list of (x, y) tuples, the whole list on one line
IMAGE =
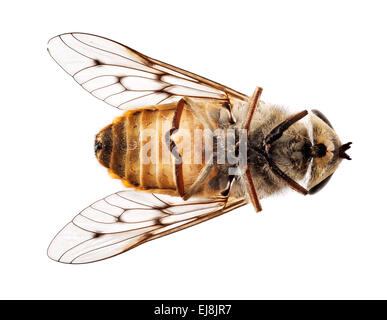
[(291, 152)]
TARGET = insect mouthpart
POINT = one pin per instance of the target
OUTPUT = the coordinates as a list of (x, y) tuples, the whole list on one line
[(319, 150)]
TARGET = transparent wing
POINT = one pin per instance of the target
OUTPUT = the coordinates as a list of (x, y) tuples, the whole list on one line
[(125, 78), (127, 219)]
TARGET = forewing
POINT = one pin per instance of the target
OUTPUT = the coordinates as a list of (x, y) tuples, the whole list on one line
[(127, 219), (127, 79)]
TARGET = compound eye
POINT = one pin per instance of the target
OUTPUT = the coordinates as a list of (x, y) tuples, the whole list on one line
[(322, 117), (320, 185)]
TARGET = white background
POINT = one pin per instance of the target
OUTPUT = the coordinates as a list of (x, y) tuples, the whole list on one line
[(329, 55)]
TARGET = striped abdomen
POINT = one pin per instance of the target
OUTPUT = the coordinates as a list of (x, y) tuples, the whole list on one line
[(133, 148)]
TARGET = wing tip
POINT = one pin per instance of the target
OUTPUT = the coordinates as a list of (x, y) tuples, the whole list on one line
[(49, 253)]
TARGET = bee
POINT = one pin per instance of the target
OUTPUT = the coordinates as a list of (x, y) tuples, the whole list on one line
[(187, 149)]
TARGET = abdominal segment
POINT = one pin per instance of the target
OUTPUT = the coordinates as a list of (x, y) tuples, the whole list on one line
[(135, 151)]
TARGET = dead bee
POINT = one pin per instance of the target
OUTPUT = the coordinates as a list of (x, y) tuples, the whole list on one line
[(188, 148)]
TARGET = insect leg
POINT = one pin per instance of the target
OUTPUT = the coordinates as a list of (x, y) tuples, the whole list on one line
[(227, 105), (226, 191), (186, 102), (254, 103), (201, 178), (172, 147), (199, 114), (277, 132), (252, 191)]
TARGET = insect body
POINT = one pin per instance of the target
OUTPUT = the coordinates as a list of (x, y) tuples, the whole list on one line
[(134, 148), (188, 149)]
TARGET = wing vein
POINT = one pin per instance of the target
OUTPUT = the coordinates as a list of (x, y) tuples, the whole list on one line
[(116, 54)]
